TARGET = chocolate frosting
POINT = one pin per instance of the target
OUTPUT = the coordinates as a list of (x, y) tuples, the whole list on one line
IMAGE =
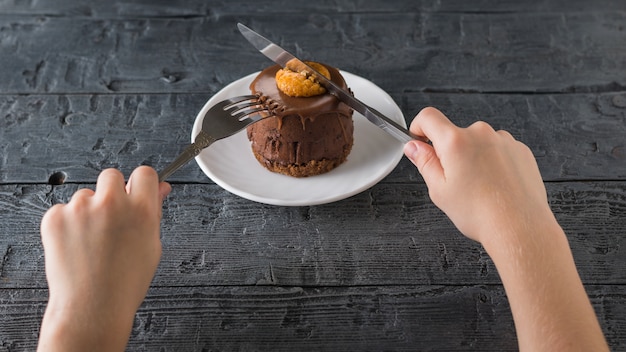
[(302, 130)]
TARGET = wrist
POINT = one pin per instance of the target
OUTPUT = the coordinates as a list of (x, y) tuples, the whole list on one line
[(79, 327), (527, 244), (514, 229)]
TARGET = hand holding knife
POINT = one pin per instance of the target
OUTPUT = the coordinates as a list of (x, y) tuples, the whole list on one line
[(283, 57)]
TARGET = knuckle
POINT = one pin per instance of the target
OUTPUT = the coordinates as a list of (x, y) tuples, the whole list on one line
[(482, 127)]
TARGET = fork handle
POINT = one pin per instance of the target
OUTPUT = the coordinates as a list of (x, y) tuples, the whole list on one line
[(202, 141)]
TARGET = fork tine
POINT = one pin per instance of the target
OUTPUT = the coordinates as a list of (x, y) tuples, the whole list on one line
[(234, 108), (237, 104), (244, 106), (242, 114), (233, 102), (239, 99)]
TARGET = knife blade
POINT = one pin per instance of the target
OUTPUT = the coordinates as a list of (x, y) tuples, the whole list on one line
[(282, 57)]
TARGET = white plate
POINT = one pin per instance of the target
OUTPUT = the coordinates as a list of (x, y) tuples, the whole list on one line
[(230, 162)]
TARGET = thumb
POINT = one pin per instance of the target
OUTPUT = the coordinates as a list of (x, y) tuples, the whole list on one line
[(423, 156), (164, 189)]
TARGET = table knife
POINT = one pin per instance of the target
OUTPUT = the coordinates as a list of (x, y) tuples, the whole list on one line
[(282, 57)]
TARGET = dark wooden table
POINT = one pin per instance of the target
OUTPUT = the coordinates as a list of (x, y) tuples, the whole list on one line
[(95, 84)]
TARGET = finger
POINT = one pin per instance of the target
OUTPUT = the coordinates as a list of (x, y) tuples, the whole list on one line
[(423, 156), (505, 134), (164, 190), (51, 223), (110, 181), (144, 182), (432, 124), (81, 194)]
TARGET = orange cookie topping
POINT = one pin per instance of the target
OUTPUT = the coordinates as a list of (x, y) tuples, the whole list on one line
[(296, 82)]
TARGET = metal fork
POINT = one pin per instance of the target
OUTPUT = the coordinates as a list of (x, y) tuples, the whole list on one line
[(222, 120)]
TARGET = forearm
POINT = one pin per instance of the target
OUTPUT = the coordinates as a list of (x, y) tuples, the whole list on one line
[(549, 304)]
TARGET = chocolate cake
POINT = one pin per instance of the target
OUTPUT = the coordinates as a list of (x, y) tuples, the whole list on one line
[(309, 132)]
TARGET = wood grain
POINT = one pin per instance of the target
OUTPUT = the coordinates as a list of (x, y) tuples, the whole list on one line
[(424, 52), (573, 136), (200, 8), (95, 84), (389, 235), (398, 318)]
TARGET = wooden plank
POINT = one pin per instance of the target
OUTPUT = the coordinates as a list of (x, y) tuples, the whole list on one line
[(573, 136), (398, 318), (89, 85), (189, 8), (433, 52), (389, 235), (84, 134)]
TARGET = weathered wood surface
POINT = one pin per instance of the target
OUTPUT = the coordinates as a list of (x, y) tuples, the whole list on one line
[(202, 8), (397, 318), (449, 52), (573, 136), (390, 235), (395, 257), (95, 84)]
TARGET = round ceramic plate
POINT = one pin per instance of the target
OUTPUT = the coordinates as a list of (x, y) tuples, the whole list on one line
[(230, 163)]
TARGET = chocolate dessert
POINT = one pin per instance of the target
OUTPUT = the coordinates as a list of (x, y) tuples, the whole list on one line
[(309, 132)]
